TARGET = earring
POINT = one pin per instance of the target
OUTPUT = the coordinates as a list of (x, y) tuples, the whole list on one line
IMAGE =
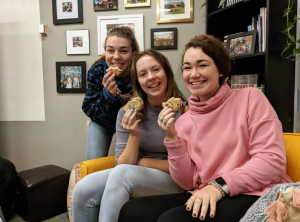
[(221, 75)]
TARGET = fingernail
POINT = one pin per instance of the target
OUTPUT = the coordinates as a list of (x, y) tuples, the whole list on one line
[(194, 215), (212, 216), (201, 217), (135, 110)]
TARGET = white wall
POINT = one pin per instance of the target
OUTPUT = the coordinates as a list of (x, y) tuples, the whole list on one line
[(21, 71)]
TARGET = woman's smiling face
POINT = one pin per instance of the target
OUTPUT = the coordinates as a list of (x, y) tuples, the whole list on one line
[(200, 74), (152, 77)]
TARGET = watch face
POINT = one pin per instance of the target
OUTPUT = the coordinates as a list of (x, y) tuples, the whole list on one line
[(220, 181)]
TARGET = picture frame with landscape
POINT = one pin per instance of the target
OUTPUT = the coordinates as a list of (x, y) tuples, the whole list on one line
[(106, 23), (71, 77), (136, 3), (164, 38), (67, 11), (241, 43), (169, 11)]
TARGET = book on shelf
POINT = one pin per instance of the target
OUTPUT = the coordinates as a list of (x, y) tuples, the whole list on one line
[(244, 81), (263, 23)]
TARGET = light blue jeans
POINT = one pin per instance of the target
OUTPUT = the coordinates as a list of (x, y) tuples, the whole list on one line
[(108, 190), (98, 140)]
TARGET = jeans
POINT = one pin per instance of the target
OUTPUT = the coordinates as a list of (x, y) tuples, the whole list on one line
[(98, 140), (108, 190)]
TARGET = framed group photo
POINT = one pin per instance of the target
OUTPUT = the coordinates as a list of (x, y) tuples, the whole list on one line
[(164, 38), (136, 3), (78, 42), (169, 11), (71, 77), (241, 43), (104, 5), (107, 23), (67, 11)]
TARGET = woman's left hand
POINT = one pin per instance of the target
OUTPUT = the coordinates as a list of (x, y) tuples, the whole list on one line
[(208, 195)]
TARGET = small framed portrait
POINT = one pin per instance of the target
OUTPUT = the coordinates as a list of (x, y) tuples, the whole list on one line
[(67, 11), (106, 23), (78, 42), (241, 43), (136, 3), (168, 11), (104, 5), (71, 77), (164, 38)]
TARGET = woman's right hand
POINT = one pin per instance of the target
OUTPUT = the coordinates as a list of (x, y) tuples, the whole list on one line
[(130, 123), (110, 84), (166, 123)]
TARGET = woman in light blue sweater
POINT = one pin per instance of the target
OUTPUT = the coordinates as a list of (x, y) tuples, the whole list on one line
[(141, 157)]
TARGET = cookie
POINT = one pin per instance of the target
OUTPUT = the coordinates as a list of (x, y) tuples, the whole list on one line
[(136, 102), (114, 70), (174, 103)]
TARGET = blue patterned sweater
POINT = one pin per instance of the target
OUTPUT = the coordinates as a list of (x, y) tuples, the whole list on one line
[(98, 104)]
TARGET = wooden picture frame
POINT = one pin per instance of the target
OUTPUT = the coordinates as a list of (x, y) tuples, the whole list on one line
[(168, 11), (105, 5), (136, 3), (106, 23), (78, 42), (67, 11), (164, 38), (71, 77), (241, 43)]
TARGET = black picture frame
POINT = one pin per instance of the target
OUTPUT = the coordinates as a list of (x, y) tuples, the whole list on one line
[(166, 43), (100, 6), (237, 43), (71, 69), (59, 21)]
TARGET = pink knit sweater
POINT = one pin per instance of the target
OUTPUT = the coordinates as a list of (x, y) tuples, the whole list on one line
[(234, 134)]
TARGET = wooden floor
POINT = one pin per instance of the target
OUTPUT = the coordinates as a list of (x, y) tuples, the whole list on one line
[(59, 218)]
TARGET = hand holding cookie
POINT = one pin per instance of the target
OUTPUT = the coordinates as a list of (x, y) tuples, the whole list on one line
[(110, 84), (129, 121), (114, 70)]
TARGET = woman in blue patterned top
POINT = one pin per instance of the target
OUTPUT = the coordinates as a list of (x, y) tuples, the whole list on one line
[(102, 102)]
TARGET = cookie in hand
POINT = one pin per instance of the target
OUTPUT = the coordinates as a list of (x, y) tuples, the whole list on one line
[(114, 70), (174, 103), (136, 102)]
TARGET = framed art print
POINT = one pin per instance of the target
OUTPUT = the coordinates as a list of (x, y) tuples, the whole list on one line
[(107, 23), (136, 3), (168, 11), (71, 77), (67, 11), (78, 42), (104, 5), (164, 38), (241, 43)]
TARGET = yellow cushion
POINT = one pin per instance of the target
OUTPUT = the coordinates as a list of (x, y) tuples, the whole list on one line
[(94, 165), (292, 146)]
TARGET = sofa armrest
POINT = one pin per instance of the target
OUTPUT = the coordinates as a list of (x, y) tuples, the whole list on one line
[(95, 165)]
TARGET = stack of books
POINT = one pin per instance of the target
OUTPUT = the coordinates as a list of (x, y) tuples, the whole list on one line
[(244, 81)]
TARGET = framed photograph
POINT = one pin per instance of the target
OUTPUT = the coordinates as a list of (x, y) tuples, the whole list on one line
[(168, 11), (71, 77), (241, 43), (104, 5), (136, 3), (107, 23), (67, 11), (78, 42), (164, 38)]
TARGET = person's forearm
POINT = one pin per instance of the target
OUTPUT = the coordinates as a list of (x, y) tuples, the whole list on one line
[(129, 156), (162, 165)]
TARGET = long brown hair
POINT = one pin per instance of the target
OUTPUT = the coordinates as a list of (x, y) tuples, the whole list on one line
[(172, 89), (123, 32), (212, 47)]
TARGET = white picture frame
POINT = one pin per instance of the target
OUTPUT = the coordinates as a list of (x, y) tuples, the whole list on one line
[(78, 42), (104, 23)]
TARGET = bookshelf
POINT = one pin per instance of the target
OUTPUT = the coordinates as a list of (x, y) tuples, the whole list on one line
[(275, 72)]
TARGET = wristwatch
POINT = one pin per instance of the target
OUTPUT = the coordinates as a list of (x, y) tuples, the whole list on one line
[(220, 181)]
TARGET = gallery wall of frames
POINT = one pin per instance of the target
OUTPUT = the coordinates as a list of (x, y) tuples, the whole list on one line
[(71, 75)]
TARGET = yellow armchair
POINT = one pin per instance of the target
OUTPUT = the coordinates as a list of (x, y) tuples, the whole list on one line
[(80, 170)]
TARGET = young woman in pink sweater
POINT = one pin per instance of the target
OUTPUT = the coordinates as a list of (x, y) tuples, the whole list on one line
[(227, 150)]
